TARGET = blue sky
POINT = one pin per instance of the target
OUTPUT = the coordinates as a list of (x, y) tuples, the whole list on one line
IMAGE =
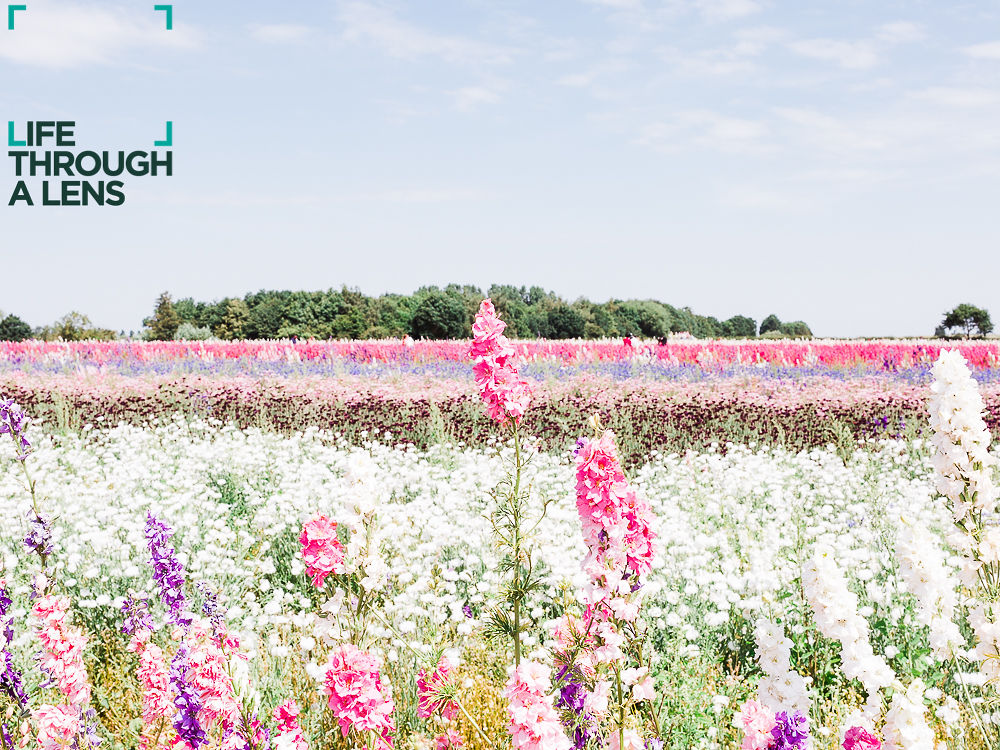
[(836, 162)]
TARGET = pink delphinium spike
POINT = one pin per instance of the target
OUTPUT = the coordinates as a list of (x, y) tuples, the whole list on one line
[(505, 393)]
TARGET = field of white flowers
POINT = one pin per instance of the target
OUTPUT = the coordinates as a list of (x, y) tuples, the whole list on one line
[(189, 584), (735, 527)]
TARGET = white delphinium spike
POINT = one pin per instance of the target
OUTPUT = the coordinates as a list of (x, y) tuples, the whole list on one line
[(964, 476), (905, 725), (364, 547), (782, 689), (835, 608), (922, 568), (960, 438)]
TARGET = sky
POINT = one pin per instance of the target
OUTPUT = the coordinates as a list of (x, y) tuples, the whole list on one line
[(834, 162)]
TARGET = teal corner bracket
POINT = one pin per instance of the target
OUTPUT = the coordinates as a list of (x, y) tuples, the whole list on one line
[(10, 15), (168, 141), (170, 14), (11, 141)]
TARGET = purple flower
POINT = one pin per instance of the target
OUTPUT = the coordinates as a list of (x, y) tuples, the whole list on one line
[(210, 606), (467, 611), (137, 615), (11, 681), (790, 731), (39, 538), (89, 731), (654, 743), (14, 422), (187, 702), (168, 572), (572, 697)]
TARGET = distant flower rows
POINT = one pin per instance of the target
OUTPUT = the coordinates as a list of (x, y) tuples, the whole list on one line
[(287, 357)]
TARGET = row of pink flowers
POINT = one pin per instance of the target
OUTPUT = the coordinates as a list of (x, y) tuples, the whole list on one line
[(704, 352)]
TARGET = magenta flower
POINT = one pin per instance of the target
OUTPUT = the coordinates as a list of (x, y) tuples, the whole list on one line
[(503, 390), (322, 551), (858, 738), (428, 688), (358, 696)]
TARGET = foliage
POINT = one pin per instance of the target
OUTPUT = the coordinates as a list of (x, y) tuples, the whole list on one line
[(439, 315), (191, 332), (770, 323), (12, 328), (433, 312), (165, 321), (968, 320)]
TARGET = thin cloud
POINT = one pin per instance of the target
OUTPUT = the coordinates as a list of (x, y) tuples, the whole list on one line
[(984, 51), (366, 22), (66, 35), (727, 10), (279, 33), (958, 97), (853, 55), (469, 98)]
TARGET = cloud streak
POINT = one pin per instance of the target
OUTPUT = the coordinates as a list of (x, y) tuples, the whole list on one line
[(61, 35)]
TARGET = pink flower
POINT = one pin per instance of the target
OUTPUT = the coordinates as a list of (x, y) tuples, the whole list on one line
[(757, 721), (62, 648), (858, 738), (57, 726), (357, 694), (288, 733), (448, 740), (154, 678), (428, 689), (505, 393), (534, 722), (616, 522), (323, 553)]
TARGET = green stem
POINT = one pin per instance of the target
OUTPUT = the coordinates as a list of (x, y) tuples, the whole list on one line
[(621, 707), (516, 507), (968, 699), (458, 703)]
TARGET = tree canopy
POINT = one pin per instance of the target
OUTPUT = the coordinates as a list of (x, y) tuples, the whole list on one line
[(967, 320)]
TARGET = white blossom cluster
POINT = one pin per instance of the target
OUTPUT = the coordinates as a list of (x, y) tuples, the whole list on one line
[(905, 725), (964, 473), (782, 688), (731, 526), (960, 437), (927, 576), (835, 608)]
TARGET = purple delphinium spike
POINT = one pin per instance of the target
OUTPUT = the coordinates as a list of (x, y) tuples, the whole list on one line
[(14, 422), (11, 681), (39, 538), (210, 606), (88, 732), (137, 615), (572, 696), (167, 570), (187, 702), (790, 731)]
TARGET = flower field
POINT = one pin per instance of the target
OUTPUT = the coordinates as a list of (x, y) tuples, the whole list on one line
[(418, 545)]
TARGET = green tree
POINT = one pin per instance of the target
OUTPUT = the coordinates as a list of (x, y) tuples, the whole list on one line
[(234, 320), (566, 323), (968, 319), (440, 316), (165, 321), (770, 323), (741, 327), (12, 328), (796, 329)]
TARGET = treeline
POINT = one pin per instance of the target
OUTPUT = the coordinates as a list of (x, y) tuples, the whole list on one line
[(435, 313), (73, 326)]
